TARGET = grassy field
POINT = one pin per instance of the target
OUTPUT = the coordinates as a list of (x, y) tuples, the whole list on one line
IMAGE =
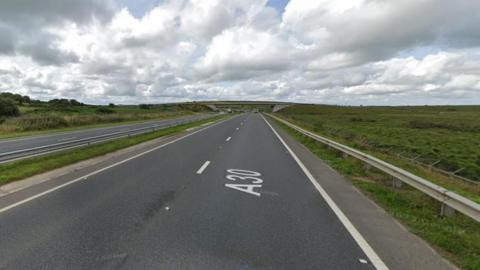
[(28, 167), (448, 136), (40, 117), (456, 238)]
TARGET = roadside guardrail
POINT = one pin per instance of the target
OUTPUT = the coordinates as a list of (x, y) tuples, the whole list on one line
[(45, 149), (448, 199)]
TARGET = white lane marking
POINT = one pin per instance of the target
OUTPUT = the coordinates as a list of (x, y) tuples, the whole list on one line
[(251, 176), (228, 139), (204, 166), (104, 169), (367, 249), (206, 124), (238, 128), (66, 139)]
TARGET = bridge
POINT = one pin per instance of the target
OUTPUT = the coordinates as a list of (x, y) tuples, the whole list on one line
[(273, 106)]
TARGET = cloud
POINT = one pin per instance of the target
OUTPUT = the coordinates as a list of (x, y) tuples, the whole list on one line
[(343, 52), (26, 26), (242, 53), (47, 12), (378, 29)]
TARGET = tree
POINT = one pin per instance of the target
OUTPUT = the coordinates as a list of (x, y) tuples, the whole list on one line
[(111, 105), (65, 102), (8, 107), (144, 106), (16, 98)]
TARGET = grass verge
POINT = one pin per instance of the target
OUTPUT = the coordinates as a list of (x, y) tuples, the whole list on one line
[(19, 134), (466, 189), (17, 170), (456, 238)]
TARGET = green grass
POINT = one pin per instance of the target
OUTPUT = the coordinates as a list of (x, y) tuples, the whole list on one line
[(41, 117), (83, 127), (456, 238), (28, 167), (448, 133)]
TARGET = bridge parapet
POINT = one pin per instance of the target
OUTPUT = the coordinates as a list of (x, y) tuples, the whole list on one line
[(279, 107)]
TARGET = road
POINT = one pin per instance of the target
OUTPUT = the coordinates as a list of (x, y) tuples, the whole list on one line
[(229, 196), (25, 143)]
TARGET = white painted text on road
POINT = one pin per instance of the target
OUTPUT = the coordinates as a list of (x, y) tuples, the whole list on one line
[(248, 181)]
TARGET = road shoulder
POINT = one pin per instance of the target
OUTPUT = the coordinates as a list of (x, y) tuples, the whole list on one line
[(396, 246)]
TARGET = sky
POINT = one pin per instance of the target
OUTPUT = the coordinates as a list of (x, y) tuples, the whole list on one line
[(345, 52)]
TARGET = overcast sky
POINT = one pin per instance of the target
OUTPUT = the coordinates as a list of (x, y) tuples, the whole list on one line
[(380, 52)]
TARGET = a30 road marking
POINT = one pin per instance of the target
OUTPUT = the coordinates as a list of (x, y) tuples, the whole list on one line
[(228, 139), (252, 177), (204, 166), (367, 249)]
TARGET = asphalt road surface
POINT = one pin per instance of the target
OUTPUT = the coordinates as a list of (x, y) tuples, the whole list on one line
[(227, 197), (18, 144)]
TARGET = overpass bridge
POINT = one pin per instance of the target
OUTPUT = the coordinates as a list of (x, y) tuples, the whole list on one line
[(273, 106)]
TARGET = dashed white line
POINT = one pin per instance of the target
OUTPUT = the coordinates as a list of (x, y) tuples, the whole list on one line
[(238, 128), (204, 166), (228, 139)]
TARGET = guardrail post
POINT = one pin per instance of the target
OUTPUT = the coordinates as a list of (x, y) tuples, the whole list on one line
[(396, 183), (447, 211)]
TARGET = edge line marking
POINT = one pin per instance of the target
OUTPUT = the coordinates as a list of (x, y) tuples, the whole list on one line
[(366, 248)]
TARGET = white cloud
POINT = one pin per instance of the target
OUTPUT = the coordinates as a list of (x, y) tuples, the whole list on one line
[(345, 51)]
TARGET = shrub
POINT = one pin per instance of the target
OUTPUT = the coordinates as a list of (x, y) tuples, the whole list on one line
[(144, 106), (8, 108), (36, 122), (359, 119), (104, 110)]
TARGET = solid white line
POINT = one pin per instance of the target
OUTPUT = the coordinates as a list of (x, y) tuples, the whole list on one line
[(228, 139), (103, 169), (367, 249), (204, 166)]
